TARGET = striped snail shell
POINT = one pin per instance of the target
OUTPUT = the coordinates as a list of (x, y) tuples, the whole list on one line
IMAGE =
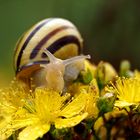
[(58, 36)]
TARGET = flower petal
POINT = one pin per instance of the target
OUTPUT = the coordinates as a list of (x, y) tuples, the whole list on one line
[(120, 103), (10, 124), (70, 122), (75, 107), (5, 130), (33, 132)]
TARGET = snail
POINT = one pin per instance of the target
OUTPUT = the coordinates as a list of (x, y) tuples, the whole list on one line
[(50, 54)]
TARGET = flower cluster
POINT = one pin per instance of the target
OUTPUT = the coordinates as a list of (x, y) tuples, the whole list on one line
[(99, 104)]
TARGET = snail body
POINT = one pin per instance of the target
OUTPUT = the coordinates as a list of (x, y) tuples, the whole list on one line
[(45, 50)]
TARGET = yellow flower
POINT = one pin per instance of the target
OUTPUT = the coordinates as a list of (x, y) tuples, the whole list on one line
[(91, 92), (11, 100), (16, 90), (36, 112), (128, 91)]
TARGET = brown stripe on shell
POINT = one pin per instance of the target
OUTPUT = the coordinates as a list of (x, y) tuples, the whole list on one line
[(28, 39), (69, 39), (39, 46)]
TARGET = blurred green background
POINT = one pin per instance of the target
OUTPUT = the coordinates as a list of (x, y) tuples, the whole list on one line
[(110, 28)]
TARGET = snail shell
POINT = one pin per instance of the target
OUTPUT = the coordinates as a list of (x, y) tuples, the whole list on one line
[(49, 53), (58, 36)]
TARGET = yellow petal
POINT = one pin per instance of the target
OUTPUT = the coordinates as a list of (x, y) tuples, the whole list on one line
[(20, 123), (22, 118), (5, 130), (7, 124), (33, 132), (123, 103), (70, 122), (75, 107)]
